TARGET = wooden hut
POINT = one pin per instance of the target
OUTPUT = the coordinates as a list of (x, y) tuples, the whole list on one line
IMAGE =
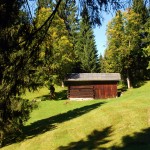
[(92, 85)]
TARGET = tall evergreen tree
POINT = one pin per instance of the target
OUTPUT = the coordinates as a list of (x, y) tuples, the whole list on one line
[(17, 66), (86, 48)]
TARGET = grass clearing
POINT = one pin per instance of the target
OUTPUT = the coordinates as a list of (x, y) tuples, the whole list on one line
[(113, 124)]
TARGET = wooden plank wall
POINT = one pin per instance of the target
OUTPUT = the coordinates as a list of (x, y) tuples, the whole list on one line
[(100, 91), (105, 91), (81, 92)]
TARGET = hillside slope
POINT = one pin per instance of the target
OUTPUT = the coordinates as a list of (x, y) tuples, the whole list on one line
[(113, 124)]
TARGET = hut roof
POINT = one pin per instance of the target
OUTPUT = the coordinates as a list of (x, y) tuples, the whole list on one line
[(93, 77)]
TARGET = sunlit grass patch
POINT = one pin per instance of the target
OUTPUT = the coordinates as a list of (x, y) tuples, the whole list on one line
[(113, 124)]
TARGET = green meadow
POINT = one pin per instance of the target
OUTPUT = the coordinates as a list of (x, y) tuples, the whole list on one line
[(112, 124)]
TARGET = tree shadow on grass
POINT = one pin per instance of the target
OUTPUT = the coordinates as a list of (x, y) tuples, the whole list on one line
[(61, 95), (44, 97), (138, 141), (47, 124), (138, 84), (44, 125), (94, 141)]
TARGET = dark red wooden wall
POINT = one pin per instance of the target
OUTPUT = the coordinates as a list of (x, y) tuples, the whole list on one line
[(95, 90), (105, 91)]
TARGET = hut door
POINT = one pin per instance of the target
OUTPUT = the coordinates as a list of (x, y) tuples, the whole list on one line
[(105, 91)]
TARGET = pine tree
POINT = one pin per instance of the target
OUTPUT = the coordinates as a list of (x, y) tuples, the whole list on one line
[(17, 68), (86, 48)]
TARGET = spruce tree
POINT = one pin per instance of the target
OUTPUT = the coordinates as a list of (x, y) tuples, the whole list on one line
[(86, 49), (17, 67)]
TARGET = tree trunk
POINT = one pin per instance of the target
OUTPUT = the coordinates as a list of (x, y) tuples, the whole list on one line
[(62, 84), (1, 138), (128, 80)]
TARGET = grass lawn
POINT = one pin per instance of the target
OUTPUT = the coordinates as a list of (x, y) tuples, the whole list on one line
[(113, 124)]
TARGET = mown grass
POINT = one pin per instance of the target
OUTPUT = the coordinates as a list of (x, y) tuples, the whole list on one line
[(113, 124)]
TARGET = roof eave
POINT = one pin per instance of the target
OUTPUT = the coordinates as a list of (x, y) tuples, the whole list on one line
[(89, 80)]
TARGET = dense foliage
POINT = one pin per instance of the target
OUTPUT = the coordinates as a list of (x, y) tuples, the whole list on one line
[(125, 52), (56, 56)]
